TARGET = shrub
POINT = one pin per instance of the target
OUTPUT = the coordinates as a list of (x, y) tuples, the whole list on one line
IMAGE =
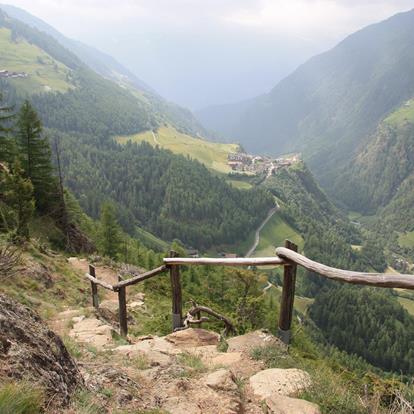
[(20, 398)]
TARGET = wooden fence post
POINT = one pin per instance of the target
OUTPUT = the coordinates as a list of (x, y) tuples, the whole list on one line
[(123, 322), (94, 286), (177, 301), (288, 296)]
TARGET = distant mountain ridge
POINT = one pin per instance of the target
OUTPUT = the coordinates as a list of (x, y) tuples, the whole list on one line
[(107, 67), (100, 62), (328, 107)]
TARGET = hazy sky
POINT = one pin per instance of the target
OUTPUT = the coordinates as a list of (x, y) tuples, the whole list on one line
[(202, 52)]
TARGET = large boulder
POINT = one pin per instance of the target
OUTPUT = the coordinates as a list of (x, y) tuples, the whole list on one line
[(30, 351), (288, 382), (221, 380), (248, 342), (279, 404), (193, 337)]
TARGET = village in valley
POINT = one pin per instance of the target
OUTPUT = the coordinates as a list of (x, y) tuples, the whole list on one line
[(255, 164), (7, 74)]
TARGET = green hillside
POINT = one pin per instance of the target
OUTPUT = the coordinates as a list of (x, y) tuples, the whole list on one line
[(380, 181), (274, 234), (213, 155), (45, 73), (105, 66)]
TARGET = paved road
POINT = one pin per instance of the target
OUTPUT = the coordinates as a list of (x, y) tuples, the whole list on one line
[(257, 234)]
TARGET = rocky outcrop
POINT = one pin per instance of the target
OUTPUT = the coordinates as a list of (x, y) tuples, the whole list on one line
[(30, 350)]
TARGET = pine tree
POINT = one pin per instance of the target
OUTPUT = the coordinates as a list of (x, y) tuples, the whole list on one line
[(110, 231), (35, 154), (7, 145), (19, 197)]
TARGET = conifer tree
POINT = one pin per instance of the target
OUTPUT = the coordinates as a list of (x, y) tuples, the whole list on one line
[(7, 147), (110, 231), (19, 197), (35, 155)]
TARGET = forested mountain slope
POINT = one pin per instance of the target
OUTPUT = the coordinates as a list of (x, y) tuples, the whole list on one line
[(100, 62), (327, 108), (85, 68), (374, 177), (170, 195), (167, 194), (380, 180)]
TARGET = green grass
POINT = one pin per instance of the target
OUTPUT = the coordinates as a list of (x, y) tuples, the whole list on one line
[(301, 303), (150, 240), (45, 73), (274, 234), (406, 239), (213, 155), (241, 185), (192, 365), (403, 114), (20, 398), (407, 304)]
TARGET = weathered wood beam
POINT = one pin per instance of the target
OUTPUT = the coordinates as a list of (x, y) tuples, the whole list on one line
[(140, 278), (288, 297), (99, 282), (240, 261), (176, 294), (389, 280), (94, 287), (123, 317)]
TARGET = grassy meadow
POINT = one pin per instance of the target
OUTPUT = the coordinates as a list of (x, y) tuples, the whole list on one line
[(45, 73), (274, 234), (212, 154)]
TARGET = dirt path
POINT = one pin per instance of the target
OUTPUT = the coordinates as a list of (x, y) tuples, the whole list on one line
[(102, 272), (260, 228), (60, 323), (155, 138)]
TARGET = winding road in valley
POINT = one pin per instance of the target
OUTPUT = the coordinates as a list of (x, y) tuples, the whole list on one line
[(259, 229)]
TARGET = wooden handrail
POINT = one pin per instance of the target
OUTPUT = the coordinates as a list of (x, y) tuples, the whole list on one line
[(140, 277), (285, 256), (99, 282), (239, 261), (389, 280)]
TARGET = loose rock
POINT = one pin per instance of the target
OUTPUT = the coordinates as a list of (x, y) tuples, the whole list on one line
[(286, 382), (279, 404), (193, 337), (221, 380)]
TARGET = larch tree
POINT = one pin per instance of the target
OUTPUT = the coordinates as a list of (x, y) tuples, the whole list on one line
[(35, 156), (19, 197), (110, 239), (7, 144)]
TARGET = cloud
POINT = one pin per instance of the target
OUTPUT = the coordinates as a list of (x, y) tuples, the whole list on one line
[(307, 18), (316, 18), (201, 52)]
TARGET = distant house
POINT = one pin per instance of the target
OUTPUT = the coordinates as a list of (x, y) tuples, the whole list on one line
[(192, 253), (230, 255), (236, 165), (6, 74)]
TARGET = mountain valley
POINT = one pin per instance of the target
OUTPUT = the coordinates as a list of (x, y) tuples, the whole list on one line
[(102, 181)]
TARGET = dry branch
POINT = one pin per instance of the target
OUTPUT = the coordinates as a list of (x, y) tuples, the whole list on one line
[(196, 309)]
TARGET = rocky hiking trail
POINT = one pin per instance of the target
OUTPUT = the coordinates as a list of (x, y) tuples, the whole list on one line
[(186, 372)]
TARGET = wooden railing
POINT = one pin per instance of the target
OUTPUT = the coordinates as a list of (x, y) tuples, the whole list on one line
[(285, 256)]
